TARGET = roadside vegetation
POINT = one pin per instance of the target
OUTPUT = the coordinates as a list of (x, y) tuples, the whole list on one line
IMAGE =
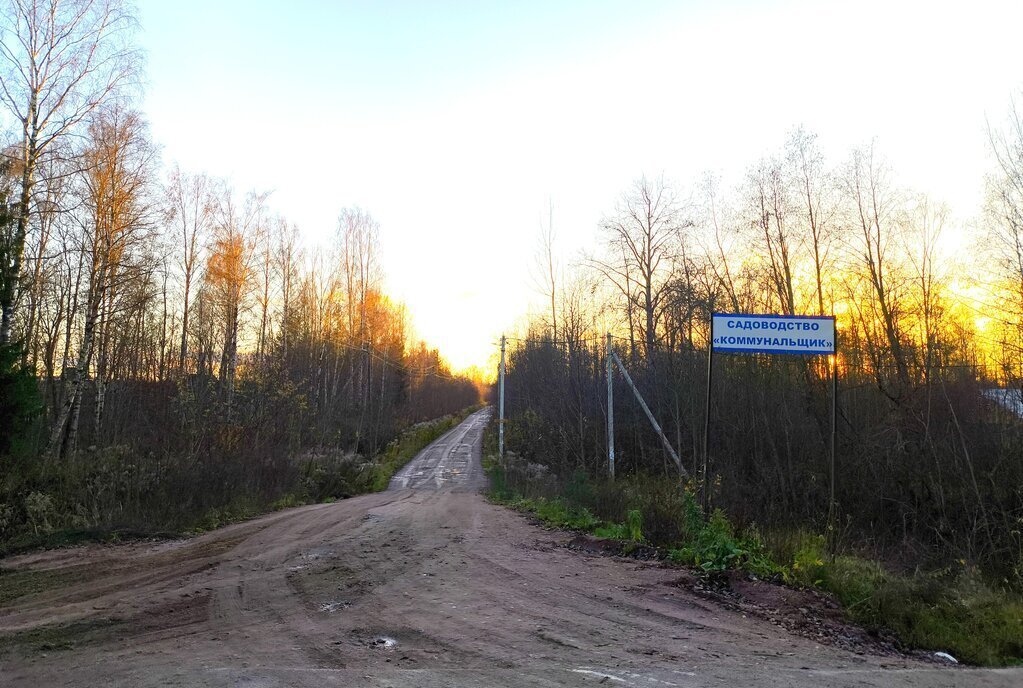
[(122, 497), (952, 609)]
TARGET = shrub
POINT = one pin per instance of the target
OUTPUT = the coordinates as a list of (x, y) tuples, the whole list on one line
[(808, 561), (287, 501), (19, 397), (7, 519), (557, 513), (39, 509)]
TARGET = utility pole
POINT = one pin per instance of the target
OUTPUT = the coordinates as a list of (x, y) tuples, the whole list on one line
[(500, 405), (610, 411)]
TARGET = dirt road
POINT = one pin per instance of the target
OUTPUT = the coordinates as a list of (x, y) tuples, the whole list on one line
[(423, 585)]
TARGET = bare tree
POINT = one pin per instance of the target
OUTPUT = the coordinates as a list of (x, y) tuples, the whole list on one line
[(546, 267), (64, 58), (358, 237), (285, 263), (769, 209), (191, 204), (928, 221), (719, 255), (646, 231), (809, 188), (48, 212), (1003, 238), (873, 205)]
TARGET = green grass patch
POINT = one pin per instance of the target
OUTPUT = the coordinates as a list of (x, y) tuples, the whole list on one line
[(238, 509), (556, 513), (630, 531), (56, 637), (15, 583), (25, 542), (954, 611)]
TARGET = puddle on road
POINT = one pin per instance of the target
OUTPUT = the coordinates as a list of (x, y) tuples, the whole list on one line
[(627, 677), (311, 557), (334, 606), (599, 674)]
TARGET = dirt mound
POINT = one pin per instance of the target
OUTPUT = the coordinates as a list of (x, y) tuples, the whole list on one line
[(612, 548), (804, 612)]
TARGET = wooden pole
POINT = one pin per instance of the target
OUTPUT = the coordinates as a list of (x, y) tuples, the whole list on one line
[(706, 417), (650, 417), (500, 421)]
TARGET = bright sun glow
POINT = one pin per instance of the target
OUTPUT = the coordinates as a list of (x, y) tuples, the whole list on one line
[(454, 126)]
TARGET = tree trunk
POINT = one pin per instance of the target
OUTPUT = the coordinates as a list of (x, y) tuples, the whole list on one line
[(10, 282), (73, 401), (101, 395), (184, 327)]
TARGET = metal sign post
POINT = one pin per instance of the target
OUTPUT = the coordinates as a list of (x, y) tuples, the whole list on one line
[(801, 335), (834, 434), (500, 405)]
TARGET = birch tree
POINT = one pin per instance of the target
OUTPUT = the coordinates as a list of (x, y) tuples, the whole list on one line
[(191, 205), (229, 272), (116, 211), (285, 262), (63, 59)]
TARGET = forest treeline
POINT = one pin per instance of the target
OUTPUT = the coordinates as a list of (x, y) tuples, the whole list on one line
[(167, 344), (929, 434)]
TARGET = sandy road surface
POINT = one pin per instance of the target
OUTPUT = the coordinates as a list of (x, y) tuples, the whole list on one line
[(423, 585)]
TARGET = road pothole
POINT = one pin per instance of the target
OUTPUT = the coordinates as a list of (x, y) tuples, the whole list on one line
[(334, 606), (383, 642)]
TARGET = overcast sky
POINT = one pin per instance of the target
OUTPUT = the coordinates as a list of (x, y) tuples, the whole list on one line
[(453, 123)]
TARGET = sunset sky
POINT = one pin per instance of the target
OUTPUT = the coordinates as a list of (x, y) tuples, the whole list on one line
[(453, 123)]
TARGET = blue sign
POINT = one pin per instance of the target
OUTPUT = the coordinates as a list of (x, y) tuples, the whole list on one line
[(808, 335)]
